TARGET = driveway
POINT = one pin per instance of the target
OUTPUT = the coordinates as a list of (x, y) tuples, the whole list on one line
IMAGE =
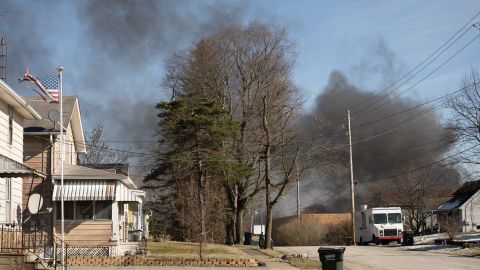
[(395, 258)]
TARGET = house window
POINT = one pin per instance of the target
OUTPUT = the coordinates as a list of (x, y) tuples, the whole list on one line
[(10, 125), (103, 210), (8, 200), (86, 210), (71, 153), (83, 210)]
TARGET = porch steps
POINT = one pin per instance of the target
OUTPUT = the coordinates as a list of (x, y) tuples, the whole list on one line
[(43, 265)]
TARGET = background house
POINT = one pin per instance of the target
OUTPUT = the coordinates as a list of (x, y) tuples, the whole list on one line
[(462, 212), (41, 149), (103, 208)]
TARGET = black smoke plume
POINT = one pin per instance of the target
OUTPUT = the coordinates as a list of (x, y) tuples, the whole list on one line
[(113, 54), (389, 137)]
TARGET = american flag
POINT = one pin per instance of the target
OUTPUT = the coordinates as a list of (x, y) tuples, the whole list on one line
[(47, 84), (50, 82)]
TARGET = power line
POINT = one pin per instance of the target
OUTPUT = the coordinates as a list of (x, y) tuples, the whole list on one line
[(420, 64), (398, 126), (417, 83), (424, 166), (417, 106)]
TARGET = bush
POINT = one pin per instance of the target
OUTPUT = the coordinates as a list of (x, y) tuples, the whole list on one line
[(294, 232)]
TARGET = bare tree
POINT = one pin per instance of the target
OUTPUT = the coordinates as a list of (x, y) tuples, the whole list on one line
[(100, 152), (465, 117), (408, 191), (236, 68)]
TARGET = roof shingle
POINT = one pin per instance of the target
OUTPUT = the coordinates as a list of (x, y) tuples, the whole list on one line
[(43, 108)]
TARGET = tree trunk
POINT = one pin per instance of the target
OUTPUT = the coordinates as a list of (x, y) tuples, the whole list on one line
[(239, 228), (229, 231), (268, 227), (230, 224), (267, 153), (201, 197)]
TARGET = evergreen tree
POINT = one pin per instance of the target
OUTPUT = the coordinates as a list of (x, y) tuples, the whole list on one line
[(195, 133)]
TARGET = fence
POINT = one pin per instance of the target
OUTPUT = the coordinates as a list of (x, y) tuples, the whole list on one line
[(11, 238), (41, 243)]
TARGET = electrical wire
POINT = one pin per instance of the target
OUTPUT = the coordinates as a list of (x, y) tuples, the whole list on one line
[(420, 64), (418, 82)]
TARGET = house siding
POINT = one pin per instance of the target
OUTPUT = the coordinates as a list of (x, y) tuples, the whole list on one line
[(13, 151), (471, 214), (37, 153), (70, 150), (87, 233)]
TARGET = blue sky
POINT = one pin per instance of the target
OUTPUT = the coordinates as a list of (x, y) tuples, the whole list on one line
[(372, 42), (343, 36)]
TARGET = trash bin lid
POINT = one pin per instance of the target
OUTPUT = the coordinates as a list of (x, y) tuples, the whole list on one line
[(331, 249)]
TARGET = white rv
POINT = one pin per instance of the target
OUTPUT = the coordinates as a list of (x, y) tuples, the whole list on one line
[(378, 225)]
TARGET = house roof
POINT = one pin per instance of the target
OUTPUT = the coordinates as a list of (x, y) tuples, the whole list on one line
[(462, 195), (76, 172), (113, 168), (71, 114), (19, 104), (43, 107), (71, 171), (432, 203)]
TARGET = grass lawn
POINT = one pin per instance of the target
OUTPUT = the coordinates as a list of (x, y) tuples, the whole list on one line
[(190, 250), (304, 263)]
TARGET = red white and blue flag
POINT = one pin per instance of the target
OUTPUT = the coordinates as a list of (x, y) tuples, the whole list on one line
[(48, 86)]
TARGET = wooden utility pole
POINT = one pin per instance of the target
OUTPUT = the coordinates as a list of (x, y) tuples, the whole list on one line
[(352, 184), (298, 192)]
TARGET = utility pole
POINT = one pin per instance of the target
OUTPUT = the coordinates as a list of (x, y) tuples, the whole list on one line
[(298, 192), (352, 184)]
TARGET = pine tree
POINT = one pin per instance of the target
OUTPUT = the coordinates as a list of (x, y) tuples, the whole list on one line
[(195, 132)]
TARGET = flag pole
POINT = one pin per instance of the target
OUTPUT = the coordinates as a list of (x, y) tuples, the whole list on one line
[(62, 157)]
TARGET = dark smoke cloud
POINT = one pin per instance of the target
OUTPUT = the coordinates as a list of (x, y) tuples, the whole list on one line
[(326, 188), (113, 52), (396, 144)]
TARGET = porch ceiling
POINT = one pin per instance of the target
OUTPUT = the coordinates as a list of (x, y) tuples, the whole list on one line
[(12, 168)]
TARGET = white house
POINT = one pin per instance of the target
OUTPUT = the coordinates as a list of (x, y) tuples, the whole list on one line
[(14, 110), (463, 210), (103, 209)]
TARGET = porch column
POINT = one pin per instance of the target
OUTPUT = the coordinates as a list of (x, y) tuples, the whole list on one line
[(115, 231), (140, 217)]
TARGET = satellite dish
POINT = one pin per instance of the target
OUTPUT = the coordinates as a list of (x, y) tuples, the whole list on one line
[(35, 202), (54, 115)]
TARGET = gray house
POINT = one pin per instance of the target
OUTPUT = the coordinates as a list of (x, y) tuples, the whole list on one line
[(463, 210)]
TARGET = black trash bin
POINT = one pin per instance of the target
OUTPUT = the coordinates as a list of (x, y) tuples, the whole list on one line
[(331, 257), (407, 238), (248, 238)]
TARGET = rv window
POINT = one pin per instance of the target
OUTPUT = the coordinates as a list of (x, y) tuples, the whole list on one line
[(394, 218), (380, 218)]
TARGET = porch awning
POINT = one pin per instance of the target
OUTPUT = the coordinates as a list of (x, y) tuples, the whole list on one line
[(124, 194), (83, 190), (12, 168)]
